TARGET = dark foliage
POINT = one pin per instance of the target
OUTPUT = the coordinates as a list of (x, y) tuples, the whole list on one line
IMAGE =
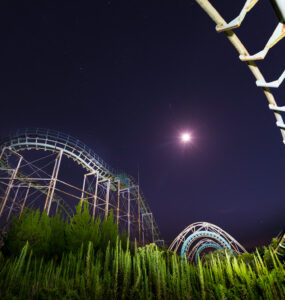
[(50, 237)]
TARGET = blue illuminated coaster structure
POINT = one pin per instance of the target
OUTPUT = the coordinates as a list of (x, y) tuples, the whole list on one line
[(201, 236)]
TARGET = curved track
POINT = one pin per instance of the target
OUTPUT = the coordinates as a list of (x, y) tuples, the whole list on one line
[(200, 236), (238, 45), (195, 229), (54, 141)]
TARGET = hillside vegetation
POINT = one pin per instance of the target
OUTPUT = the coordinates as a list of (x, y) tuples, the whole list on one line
[(50, 258)]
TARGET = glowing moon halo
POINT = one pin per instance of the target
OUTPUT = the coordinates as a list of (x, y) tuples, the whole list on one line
[(185, 137)]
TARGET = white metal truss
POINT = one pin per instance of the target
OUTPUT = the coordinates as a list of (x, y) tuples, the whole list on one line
[(222, 25), (111, 181)]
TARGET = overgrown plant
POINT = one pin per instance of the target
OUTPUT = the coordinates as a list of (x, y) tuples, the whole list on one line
[(95, 265), (50, 237)]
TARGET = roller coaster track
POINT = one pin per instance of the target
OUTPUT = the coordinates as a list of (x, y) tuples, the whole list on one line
[(202, 235), (238, 45), (54, 141), (207, 235)]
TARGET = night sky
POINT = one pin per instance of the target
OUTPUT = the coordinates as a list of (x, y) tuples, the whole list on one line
[(126, 77)]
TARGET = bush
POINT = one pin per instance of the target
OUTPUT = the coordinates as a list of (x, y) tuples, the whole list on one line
[(50, 237), (83, 259)]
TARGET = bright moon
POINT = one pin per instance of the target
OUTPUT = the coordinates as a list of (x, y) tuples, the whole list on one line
[(185, 137)]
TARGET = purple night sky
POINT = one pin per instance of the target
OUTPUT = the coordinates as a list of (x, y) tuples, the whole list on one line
[(127, 77)]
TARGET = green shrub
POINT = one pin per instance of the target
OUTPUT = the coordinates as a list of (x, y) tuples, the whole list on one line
[(50, 237), (83, 259)]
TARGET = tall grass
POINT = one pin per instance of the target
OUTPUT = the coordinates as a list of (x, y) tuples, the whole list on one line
[(102, 267), (147, 273)]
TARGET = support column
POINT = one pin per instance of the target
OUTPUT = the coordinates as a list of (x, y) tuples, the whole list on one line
[(118, 202), (50, 185), (139, 214), (151, 220), (95, 196), (25, 199), (11, 182), (53, 182), (107, 198), (82, 193), (142, 231), (152, 228), (12, 205), (129, 209)]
